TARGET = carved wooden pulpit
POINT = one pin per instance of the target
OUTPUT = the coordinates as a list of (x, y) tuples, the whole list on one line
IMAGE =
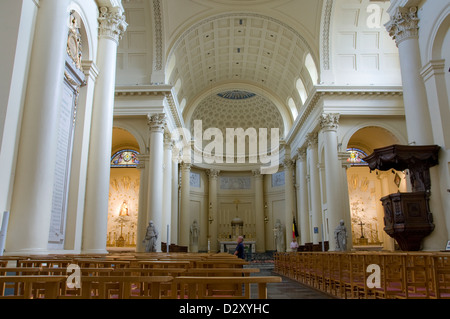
[(408, 218)]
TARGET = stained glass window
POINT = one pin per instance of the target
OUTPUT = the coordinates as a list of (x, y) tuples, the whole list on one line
[(356, 157), (125, 158)]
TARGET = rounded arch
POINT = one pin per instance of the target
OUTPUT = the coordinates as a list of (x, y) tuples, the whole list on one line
[(397, 137), (87, 35), (138, 139), (311, 66), (437, 36), (281, 106)]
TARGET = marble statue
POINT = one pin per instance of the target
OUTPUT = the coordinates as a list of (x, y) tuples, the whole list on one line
[(279, 236), (340, 236), (150, 238), (195, 232)]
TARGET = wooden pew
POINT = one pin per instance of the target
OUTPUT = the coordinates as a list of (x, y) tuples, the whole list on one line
[(164, 264), (50, 291), (104, 287), (198, 287)]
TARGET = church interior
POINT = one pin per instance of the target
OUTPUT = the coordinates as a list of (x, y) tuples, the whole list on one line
[(139, 139)]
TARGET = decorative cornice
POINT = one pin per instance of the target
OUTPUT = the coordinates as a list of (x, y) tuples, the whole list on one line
[(160, 90), (157, 122), (319, 93), (404, 24), (329, 121), (112, 25)]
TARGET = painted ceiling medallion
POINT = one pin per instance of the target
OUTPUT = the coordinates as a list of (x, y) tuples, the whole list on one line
[(236, 95)]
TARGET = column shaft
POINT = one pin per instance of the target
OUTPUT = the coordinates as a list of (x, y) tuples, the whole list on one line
[(185, 216), (316, 205), (167, 189), (142, 210), (33, 186), (259, 212), (333, 167), (289, 201), (155, 174), (213, 203), (112, 26), (403, 27), (302, 198)]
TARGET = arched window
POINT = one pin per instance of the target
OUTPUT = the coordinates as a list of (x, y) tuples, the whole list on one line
[(293, 108), (183, 104), (302, 90), (312, 69), (356, 157), (125, 159)]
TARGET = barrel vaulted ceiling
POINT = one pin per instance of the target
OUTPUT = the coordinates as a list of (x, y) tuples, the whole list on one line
[(200, 45)]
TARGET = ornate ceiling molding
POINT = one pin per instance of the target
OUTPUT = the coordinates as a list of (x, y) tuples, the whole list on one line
[(158, 35)]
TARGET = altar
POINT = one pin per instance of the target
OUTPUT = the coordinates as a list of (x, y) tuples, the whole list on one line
[(230, 246)]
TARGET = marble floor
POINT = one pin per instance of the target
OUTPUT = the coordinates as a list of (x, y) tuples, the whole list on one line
[(287, 289)]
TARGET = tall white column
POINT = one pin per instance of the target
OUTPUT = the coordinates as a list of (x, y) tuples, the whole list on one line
[(167, 188), (404, 29), (314, 182), (289, 205), (259, 211), (343, 157), (112, 25), (213, 203), (185, 216), (31, 204), (175, 200), (142, 210), (333, 167), (302, 197), (156, 124)]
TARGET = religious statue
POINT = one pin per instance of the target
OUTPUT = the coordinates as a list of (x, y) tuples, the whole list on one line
[(195, 232), (279, 236), (340, 235), (124, 209), (150, 238)]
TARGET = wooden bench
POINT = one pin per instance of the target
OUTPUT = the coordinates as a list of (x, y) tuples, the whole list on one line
[(106, 287), (164, 264), (221, 272), (50, 291), (198, 287)]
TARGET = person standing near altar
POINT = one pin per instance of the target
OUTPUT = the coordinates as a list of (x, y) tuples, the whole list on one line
[(239, 252)]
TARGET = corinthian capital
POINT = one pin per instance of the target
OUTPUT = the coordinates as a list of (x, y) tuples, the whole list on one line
[(112, 24), (157, 122), (329, 121), (213, 173), (312, 139), (404, 24)]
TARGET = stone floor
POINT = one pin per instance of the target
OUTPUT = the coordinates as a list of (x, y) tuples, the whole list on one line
[(287, 289)]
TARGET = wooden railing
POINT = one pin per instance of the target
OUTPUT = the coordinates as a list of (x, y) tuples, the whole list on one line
[(363, 275)]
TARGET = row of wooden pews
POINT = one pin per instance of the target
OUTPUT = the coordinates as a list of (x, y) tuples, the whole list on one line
[(130, 276), (364, 275)]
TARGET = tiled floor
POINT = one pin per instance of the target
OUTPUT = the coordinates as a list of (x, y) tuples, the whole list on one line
[(288, 289)]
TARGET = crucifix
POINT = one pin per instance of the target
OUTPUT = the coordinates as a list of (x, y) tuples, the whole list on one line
[(237, 202), (362, 229)]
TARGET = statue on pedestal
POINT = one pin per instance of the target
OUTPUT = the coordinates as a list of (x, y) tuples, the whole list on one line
[(150, 238), (279, 237), (195, 232), (340, 236)]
